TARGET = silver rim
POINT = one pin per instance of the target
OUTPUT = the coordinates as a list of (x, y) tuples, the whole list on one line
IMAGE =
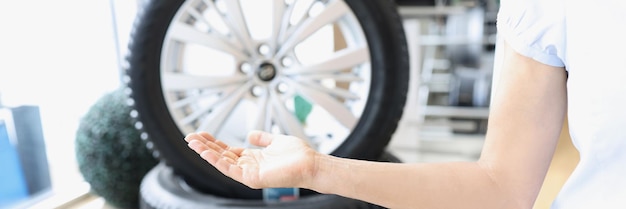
[(230, 66)]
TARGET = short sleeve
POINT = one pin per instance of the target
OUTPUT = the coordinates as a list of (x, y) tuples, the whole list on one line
[(534, 28)]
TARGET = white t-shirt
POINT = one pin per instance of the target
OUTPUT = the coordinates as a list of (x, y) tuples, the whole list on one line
[(588, 38)]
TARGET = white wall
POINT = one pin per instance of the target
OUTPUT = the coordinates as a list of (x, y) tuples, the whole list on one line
[(58, 55)]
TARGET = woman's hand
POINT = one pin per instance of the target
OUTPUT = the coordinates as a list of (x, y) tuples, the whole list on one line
[(283, 161)]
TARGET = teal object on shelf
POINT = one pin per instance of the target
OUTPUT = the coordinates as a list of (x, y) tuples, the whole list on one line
[(302, 108)]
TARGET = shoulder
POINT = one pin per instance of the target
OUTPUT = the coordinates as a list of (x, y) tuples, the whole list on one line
[(534, 28)]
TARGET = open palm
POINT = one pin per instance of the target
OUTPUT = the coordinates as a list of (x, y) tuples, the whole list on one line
[(283, 161)]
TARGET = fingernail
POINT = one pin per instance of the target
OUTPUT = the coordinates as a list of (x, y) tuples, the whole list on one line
[(188, 137), (193, 144)]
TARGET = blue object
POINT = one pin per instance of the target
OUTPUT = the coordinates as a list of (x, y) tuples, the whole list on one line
[(13, 186), (280, 194)]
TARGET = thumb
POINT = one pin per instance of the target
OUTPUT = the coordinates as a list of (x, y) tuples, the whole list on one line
[(260, 138)]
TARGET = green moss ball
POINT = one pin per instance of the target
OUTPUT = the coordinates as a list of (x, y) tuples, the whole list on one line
[(110, 153)]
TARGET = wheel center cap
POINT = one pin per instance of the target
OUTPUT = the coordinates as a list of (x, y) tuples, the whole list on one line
[(266, 72)]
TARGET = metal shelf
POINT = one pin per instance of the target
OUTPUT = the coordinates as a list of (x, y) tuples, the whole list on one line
[(458, 112)]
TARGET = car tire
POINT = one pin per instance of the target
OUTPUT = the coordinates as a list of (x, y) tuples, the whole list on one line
[(376, 27), (161, 189)]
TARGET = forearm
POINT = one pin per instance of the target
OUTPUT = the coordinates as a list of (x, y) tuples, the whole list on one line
[(395, 185), (524, 123)]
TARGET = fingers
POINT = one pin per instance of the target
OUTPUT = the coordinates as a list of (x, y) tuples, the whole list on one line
[(207, 152), (204, 141), (260, 138), (221, 160), (237, 150), (207, 139), (223, 157), (212, 139), (206, 135), (202, 136), (213, 149), (209, 149), (224, 164)]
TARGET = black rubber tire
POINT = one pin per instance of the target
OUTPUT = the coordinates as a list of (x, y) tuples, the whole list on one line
[(161, 188), (416, 2), (389, 63)]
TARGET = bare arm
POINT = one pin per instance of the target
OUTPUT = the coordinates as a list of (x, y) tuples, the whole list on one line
[(524, 124)]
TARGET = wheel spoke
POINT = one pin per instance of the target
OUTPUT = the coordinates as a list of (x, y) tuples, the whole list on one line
[(239, 26), (346, 58), (193, 98), (248, 46), (330, 104), (284, 24), (304, 16), (277, 21), (223, 109), (198, 16), (188, 34), (204, 110), (285, 119), (335, 91), (342, 77), (332, 12), (178, 81)]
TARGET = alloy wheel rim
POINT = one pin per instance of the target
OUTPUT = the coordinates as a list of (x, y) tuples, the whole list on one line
[(218, 75)]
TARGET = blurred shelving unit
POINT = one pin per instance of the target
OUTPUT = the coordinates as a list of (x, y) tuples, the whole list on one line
[(451, 46)]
